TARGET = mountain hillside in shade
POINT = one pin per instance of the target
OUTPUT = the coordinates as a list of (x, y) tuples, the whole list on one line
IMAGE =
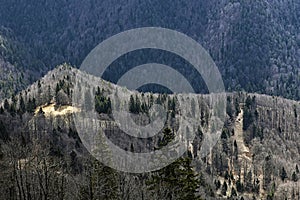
[(255, 44)]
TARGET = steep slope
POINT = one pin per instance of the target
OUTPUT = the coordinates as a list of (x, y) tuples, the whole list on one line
[(257, 154), (11, 76), (255, 44)]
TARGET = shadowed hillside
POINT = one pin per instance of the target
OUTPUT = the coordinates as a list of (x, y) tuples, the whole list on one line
[(255, 44)]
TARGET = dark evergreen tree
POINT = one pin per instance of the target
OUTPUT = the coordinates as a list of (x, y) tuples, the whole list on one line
[(137, 104), (6, 104), (131, 148), (168, 137), (41, 111), (233, 192), (248, 182), (178, 179), (283, 174), (22, 107), (217, 184), (132, 105), (1, 110), (31, 105), (102, 103), (224, 188), (49, 95), (256, 186), (3, 132), (239, 185), (249, 112), (294, 177)]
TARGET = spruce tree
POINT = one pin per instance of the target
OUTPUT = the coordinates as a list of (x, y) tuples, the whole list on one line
[(178, 180), (224, 188), (132, 107), (294, 177), (6, 104), (22, 107), (1, 110), (283, 174)]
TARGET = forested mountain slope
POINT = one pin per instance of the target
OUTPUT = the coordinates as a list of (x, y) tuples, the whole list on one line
[(42, 156), (255, 43)]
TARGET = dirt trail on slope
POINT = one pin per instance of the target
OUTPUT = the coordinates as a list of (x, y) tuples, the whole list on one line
[(244, 155), (243, 150)]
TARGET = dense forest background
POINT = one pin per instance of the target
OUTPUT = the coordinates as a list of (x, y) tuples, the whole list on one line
[(255, 44)]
